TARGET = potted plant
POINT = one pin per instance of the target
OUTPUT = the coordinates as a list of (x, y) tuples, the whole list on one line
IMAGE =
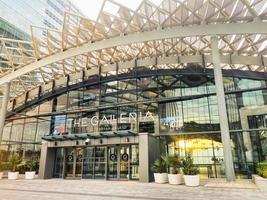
[(32, 167), (174, 163), (1, 173), (14, 161), (191, 172), (159, 169), (262, 169), (260, 179)]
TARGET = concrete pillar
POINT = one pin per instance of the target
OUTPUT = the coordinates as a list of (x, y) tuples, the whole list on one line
[(4, 109), (225, 134), (149, 151), (47, 160)]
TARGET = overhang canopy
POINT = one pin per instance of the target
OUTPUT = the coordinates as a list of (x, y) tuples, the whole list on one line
[(174, 28)]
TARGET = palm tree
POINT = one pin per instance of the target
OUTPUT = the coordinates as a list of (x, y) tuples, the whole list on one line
[(14, 161), (174, 162), (159, 166)]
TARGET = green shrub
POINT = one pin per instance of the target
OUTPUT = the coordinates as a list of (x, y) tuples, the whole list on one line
[(174, 162), (27, 165), (32, 165), (22, 166), (188, 166), (159, 166), (262, 169), (14, 161)]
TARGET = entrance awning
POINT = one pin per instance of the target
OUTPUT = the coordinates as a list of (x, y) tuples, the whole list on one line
[(83, 136)]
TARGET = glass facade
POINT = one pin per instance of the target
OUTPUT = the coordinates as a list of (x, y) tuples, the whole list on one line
[(181, 108), (16, 17)]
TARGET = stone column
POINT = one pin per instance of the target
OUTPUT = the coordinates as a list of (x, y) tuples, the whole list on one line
[(4, 109), (225, 134), (149, 151), (46, 161)]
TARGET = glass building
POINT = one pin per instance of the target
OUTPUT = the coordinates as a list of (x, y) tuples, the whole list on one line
[(179, 109), (17, 17), (109, 112)]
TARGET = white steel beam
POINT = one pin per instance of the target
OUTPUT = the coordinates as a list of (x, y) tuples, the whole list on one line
[(255, 27), (4, 109), (224, 126)]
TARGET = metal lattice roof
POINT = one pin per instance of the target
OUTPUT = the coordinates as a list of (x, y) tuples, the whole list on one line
[(174, 28)]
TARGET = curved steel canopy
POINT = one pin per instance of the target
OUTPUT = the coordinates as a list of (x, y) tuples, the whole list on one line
[(174, 28), (196, 71)]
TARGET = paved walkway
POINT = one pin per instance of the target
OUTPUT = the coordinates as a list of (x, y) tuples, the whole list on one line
[(58, 189)]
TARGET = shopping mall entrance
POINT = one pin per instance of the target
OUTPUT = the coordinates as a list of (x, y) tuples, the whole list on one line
[(123, 162), (128, 157), (73, 162), (118, 162)]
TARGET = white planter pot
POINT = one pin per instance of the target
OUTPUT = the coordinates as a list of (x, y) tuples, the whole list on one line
[(30, 175), (161, 177), (191, 180), (1, 175), (175, 179), (13, 175)]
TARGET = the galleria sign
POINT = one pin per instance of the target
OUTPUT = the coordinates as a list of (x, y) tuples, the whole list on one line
[(110, 119)]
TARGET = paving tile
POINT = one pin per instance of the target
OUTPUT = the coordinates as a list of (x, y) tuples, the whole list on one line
[(54, 189)]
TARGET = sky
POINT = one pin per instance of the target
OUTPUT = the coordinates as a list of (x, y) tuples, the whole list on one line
[(91, 8)]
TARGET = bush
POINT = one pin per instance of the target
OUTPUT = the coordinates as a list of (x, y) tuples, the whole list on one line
[(14, 161), (159, 166), (28, 165), (174, 162), (22, 167), (32, 165), (188, 167), (262, 169)]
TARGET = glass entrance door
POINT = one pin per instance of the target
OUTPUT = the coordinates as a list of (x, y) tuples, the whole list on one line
[(119, 163), (79, 163), (88, 163), (94, 163), (113, 163), (124, 162), (101, 162), (74, 158)]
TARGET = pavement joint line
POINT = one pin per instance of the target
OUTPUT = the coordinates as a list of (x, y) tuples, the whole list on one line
[(91, 194), (230, 188)]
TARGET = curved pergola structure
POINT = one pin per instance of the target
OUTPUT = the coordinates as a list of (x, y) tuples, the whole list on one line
[(218, 35), (174, 28)]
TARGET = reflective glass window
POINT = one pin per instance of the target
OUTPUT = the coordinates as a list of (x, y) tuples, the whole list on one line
[(75, 99), (127, 118), (45, 107), (171, 117), (43, 128), (109, 93), (6, 131), (108, 119), (17, 130), (147, 88), (126, 90), (90, 97), (61, 102), (58, 124)]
